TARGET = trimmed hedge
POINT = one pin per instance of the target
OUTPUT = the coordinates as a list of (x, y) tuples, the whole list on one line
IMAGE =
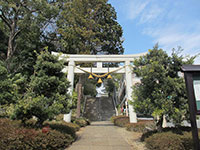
[(82, 122), (113, 118), (12, 137), (72, 125), (170, 141), (164, 141), (140, 126), (120, 121), (176, 130), (187, 140), (63, 128)]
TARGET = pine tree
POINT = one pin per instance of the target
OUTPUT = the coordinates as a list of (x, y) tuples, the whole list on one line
[(47, 94)]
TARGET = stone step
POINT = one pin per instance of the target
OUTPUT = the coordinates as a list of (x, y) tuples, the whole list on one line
[(99, 109)]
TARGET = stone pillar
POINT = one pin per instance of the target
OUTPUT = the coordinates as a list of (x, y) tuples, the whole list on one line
[(129, 84), (70, 77)]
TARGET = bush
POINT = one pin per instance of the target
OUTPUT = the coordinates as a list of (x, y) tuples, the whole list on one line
[(52, 140), (81, 122), (177, 130), (12, 136), (164, 141), (147, 134), (31, 123), (140, 126), (87, 120), (187, 140), (72, 125), (121, 121), (31, 139), (59, 117), (113, 118), (63, 128)]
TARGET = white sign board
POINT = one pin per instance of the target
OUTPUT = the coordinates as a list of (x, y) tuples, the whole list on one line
[(197, 89)]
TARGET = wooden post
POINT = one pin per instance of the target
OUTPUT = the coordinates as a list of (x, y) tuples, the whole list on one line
[(192, 108)]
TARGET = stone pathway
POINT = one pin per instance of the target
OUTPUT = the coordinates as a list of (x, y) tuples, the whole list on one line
[(100, 136)]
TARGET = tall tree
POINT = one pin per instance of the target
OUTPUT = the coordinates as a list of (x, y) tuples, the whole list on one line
[(161, 91), (89, 27), (3, 43), (20, 15)]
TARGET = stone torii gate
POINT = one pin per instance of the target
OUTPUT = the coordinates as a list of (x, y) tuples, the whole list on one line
[(71, 69)]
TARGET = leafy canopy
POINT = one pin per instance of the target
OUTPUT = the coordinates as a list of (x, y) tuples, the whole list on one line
[(89, 27), (162, 90), (6, 88), (47, 92)]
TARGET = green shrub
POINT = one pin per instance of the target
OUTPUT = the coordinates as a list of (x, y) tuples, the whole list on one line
[(14, 137), (63, 128), (140, 126), (87, 120), (164, 141), (73, 118), (187, 140), (176, 130), (148, 134), (81, 122), (53, 140), (113, 118), (31, 123), (121, 121), (59, 117), (72, 125)]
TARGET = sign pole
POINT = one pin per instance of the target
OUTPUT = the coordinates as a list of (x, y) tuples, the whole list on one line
[(192, 108)]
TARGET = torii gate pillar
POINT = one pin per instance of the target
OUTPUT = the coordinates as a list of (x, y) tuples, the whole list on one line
[(70, 77), (128, 77)]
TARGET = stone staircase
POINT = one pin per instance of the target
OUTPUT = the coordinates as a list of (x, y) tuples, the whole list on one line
[(99, 109)]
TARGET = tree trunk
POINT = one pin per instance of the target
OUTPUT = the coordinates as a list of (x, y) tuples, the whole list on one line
[(10, 47)]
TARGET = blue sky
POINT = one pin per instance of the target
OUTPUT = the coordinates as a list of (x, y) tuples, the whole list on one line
[(170, 23)]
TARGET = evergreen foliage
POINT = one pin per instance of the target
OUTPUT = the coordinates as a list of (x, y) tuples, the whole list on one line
[(161, 91), (6, 88), (47, 92), (89, 27), (20, 16)]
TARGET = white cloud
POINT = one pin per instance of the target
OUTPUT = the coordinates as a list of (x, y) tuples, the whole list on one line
[(136, 8), (172, 37), (153, 13), (168, 24)]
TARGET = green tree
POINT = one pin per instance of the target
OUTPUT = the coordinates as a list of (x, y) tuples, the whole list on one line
[(6, 88), (3, 42), (47, 92), (26, 19), (89, 27), (161, 91)]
